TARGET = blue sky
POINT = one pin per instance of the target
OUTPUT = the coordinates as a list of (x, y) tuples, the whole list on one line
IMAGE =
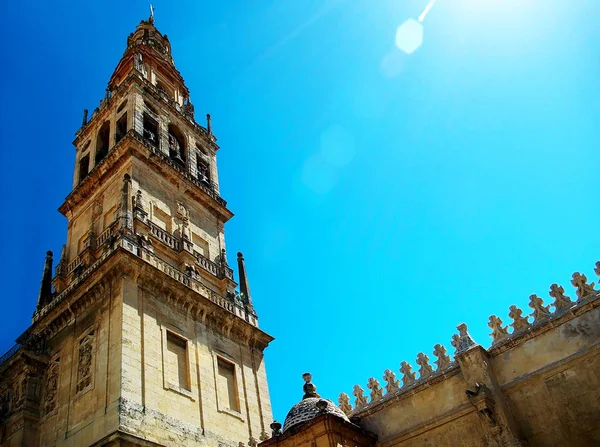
[(380, 198)]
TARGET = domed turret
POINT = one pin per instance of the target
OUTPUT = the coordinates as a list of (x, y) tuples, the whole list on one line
[(311, 406)]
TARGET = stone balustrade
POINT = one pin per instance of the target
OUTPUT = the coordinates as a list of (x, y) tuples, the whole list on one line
[(206, 264), (116, 241), (501, 334), (74, 264), (165, 237)]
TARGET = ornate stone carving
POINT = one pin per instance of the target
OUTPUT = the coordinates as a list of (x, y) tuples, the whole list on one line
[(519, 323), (344, 401), (85, 357), (252, 442), (390, 379), (376, 390), (408, 377), (443, 360), (540, 312), (51, 387), (499, 332), (138, 202), (182, 211), (463, 340), (425, 368), (597, 268), (360, 400), (561, 301), (584, 290), (97, 208)]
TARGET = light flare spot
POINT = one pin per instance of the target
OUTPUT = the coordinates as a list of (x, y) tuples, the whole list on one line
[(409, 36)]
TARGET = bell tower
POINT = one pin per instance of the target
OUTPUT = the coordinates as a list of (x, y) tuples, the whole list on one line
[(141, 337)]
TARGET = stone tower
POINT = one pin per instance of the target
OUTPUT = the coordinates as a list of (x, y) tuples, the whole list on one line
[(140, 337)]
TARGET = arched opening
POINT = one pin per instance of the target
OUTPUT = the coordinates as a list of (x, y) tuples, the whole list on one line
[(102, 141), (84, 167), (176, 145), (121, 106), (121, 129), (150, 129), (202, 165)]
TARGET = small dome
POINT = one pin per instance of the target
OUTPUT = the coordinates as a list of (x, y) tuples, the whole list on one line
[(311, 406), (307, 409)]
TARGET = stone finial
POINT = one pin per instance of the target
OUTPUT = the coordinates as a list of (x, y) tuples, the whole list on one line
[(138, 200), (499, 332), (360, 400), (85, 117), (455, 342), (208, 124), (45, 295), (310, 390), (244, 284), (443, 360), (345, 406), (390, 379), (519, 323), (561, 301), (425, 368), (408, 377), (584, 290), (597, 268), (463, 340), (540, 312), (276, 429), (376, 390)]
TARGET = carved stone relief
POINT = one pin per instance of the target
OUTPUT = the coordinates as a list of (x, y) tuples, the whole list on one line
[(84, 365), (51, 387)]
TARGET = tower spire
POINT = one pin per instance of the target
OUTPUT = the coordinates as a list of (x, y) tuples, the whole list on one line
[(244, 286), (46, 287)]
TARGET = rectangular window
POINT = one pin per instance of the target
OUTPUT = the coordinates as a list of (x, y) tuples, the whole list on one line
[(227, 386), (200, 245), (161, 219), (177, 361)]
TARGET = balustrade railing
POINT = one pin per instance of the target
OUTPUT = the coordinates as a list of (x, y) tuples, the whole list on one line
[(206, 264), (74, 264), (104, 236), (165, 237)]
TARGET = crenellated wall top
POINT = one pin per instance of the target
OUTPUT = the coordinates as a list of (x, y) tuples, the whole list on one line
[(522, 328)]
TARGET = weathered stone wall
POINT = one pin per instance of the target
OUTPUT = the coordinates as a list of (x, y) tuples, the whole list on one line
[(84, 413), (537, 386), (154, 409)]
